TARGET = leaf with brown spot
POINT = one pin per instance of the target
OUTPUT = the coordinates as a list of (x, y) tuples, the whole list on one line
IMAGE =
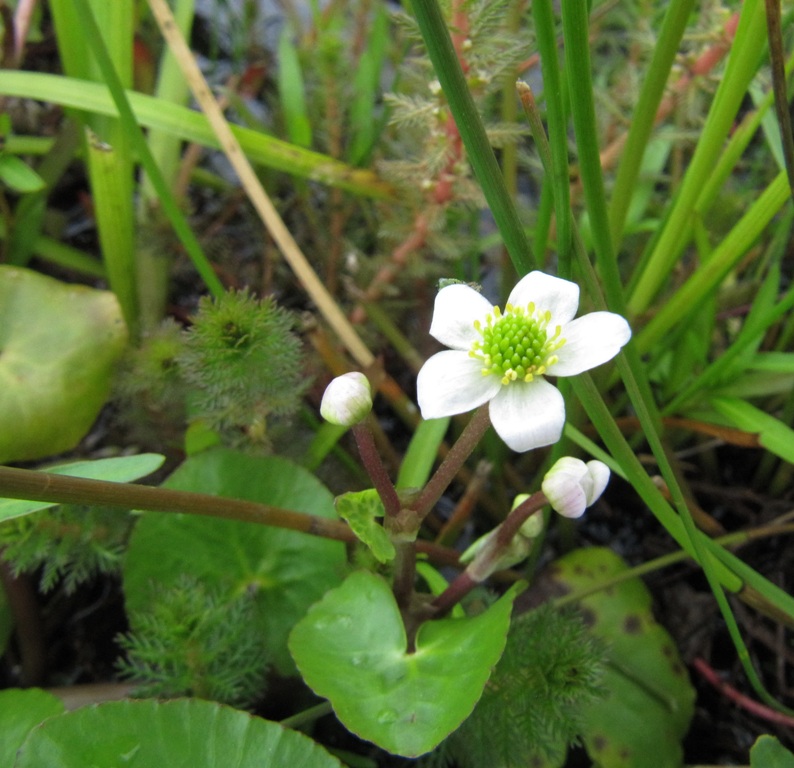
[(649, 701)]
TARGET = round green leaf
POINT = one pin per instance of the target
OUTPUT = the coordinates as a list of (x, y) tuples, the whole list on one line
[(20, 712), (768, 752), (183, 732), (58, 344), (287, 570), (649, 699), (352, 649)]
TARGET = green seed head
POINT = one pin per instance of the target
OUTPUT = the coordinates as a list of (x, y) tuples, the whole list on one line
[(517, 345)]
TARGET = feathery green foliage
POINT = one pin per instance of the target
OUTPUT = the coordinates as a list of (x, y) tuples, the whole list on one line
[(72, 543), (196, 642), (550, 666)]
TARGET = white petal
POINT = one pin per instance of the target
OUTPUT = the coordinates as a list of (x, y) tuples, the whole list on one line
[(558, 296), (456, 308), (451, 382), (590, 340), (599, 472), (529, 415)]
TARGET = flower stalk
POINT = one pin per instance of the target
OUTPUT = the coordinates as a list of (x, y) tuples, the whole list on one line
[(470, 437), (492, 555)]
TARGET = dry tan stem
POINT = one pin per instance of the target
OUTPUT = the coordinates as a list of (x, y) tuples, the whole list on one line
[(256, 193)]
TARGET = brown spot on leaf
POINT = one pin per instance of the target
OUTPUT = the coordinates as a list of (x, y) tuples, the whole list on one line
[(632, 624)]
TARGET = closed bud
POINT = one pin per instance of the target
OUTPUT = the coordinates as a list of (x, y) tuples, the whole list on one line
[(347, 400), (571, 485)]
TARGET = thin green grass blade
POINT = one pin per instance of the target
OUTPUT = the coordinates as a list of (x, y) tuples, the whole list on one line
[(746, 54), (725, 257), (292, 92), (740, 139), (127, 117), (166, 147), (365, 125), (654, 83), (579, 77), (421, 454), (108, 149), (558, 175), (733, 362), (190, 125), (112, 192)]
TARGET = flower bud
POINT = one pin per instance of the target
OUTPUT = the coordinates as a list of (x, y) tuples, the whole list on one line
[(571, 485), (347, 399)]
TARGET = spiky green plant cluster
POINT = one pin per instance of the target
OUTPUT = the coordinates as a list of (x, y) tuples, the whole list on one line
[(196, 642), (72, 543), (529, 709), (150, 389), (236, 367), (242, 363)]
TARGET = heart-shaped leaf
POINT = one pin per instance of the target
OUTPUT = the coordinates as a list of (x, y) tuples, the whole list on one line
[(58, 344), (352, 649), (186, 732)]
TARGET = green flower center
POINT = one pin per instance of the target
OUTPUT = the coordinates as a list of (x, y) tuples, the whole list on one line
[(516, 345)]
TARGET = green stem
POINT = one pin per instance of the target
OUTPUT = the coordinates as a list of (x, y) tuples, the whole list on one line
[(557, 171), (579, 75)]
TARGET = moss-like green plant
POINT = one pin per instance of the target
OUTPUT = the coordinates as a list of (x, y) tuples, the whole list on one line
[(196, 642)]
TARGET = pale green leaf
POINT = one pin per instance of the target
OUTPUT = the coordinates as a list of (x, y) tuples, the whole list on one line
[(59, 345), (183, 732), (352, 649)]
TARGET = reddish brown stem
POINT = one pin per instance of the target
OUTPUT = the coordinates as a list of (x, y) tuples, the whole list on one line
[(376, 470), (745, 702), (61, 489), (454, 460)]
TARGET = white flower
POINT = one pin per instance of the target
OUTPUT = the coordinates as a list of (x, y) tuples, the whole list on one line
[(571, 486), (502, 357), (347, 399)]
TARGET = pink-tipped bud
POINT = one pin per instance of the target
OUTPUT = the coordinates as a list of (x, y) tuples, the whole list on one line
[(571, 486)]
